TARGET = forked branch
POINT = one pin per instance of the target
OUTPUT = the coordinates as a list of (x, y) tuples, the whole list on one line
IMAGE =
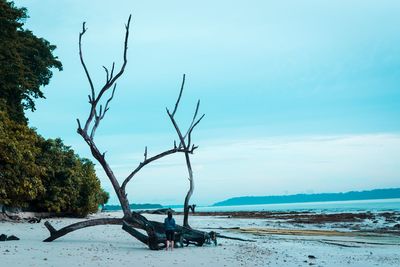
[(183, 146), (151, 159), (182, 138), (97, 113), (186, 146), (110, 81)]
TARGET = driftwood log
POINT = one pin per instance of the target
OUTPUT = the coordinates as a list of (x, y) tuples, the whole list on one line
[(154, 236), (184, 236)]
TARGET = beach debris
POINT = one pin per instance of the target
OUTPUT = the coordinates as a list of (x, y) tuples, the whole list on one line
[(338, 244), (212, 237), (224, 228), (3, 237), (12, 238), (34, 220), (54, 234), (234, 238), (158, 211), (278, 231), (192, 208)]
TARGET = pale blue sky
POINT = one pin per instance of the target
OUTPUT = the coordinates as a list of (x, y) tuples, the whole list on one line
[(299, 96)]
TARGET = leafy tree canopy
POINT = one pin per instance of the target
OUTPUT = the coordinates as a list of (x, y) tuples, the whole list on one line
[(70, 181), (25, 62), (20, 176), (45, 175)]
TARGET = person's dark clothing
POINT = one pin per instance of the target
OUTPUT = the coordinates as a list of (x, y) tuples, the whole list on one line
[(170, 235), (169, 224)]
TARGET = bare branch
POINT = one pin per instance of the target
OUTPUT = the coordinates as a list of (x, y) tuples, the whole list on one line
[(180, 95), (79, 124), (192, 124), (96, 124), (149, 160), (110, 79), (178, 131), (91, 99), (100, 111), (194, 118), (145, 153), (54, 234), (112, 70), (106, 108), (106, 70), (82, 60), (193, 148), (121, 71), (191, 129)]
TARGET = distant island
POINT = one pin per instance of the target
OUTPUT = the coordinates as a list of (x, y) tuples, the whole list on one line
[(298, 198), (133, 207)]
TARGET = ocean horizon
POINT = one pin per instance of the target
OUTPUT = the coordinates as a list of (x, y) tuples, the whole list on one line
[(373, 205)]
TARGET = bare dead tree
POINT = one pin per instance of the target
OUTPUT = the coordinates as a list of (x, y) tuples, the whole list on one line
[(185, 143), (131, 221)]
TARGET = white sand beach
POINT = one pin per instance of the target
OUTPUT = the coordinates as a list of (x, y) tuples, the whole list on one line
[(111, 246)]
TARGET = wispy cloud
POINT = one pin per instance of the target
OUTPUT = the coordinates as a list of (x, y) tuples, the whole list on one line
[(271, 165)]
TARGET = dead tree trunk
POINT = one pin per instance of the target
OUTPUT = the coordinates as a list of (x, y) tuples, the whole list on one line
[(185, 143), (189, 193), (155, 234)]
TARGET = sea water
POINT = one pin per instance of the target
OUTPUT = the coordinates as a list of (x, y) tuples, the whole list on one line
[(373, 205)]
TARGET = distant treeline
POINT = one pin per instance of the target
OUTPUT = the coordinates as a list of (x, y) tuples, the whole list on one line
[(133, 207), (353, 195)]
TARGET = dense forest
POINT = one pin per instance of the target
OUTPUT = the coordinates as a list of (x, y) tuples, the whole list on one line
[(36, 173)]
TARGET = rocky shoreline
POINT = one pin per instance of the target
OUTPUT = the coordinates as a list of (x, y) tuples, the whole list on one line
[(382, 222)]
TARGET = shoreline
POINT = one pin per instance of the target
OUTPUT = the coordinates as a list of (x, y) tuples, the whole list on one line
[(276, 243)]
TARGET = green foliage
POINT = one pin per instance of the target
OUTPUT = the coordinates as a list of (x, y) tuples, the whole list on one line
[(25, 62), (20, 176), (45, 175), (104, 197), (71, 182)]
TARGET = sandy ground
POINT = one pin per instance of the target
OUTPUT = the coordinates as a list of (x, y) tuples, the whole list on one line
[(111, 246)]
